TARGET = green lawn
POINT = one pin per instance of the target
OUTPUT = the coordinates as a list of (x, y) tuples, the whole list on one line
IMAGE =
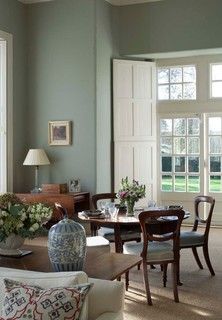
[(193, 184)]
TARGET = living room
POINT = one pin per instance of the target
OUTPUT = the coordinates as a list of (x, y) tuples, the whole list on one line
[(62, 70)]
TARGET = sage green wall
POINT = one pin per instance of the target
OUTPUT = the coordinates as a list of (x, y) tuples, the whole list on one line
[(13, 20), (62, 82), (106, 49), (170, 25)]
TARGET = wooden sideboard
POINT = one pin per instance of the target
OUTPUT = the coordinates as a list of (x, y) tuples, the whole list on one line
[(73, 202)]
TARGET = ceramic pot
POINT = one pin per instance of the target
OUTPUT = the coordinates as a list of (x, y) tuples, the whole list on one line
[(10, 246), (67, 245)]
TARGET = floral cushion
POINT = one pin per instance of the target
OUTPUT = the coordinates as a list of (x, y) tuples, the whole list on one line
[(31, 302)]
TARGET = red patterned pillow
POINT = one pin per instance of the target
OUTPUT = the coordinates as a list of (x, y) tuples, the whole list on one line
[(31, 302)]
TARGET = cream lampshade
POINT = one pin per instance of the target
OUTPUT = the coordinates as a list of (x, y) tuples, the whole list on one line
[(36, 157)]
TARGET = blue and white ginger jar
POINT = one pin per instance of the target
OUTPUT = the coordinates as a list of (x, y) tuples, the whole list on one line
[(67, 245)]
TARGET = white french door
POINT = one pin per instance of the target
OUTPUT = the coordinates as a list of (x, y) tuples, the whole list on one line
[(191, 159)]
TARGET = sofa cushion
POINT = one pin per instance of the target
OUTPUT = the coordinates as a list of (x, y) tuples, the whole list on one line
[(45, 280), (23, 301)]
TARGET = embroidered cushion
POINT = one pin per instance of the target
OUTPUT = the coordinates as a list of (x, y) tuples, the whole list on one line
[(24, 301)]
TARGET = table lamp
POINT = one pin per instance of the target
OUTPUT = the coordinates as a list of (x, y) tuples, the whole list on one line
[(36, 157)]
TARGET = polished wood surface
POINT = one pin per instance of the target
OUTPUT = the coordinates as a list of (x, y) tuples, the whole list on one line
[(67, 201), (108, 266), (73, 201), (123, 223)]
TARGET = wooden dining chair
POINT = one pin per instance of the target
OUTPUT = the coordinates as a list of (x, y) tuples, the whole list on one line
[(194, 239), (108, 233), (160, 247)]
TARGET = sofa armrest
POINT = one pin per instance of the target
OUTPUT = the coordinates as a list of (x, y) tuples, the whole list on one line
[(106, 300)]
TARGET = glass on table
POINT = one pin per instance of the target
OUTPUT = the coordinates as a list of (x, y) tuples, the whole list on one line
[(151, 204), (113, 211)]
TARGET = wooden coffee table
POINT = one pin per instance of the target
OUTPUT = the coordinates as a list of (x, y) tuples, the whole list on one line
[(108, 266)]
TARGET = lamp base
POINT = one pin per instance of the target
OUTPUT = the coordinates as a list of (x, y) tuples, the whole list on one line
[(36, 190)]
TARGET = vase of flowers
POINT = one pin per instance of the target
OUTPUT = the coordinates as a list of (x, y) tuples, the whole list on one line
[(19, 221), (130, 193)]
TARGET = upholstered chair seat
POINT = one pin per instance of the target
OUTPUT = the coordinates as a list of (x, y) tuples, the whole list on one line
[(191, 238), (97, 243), (127, 235), (156, 250)]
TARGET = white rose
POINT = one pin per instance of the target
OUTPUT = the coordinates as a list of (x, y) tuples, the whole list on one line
[(35, 226), (23, 216), (20, 225)]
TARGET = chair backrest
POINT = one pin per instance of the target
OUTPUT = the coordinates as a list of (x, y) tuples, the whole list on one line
[(102, 196), (167, 225), (207, 222)]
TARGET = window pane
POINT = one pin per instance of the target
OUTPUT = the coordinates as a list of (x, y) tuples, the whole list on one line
[(166, 127), (179, 164), (193, 164), (179, 145), (166, 164), (175, 75), (215, 164), (189, 74), (163, 92), (189, 91), (193, 126), (193, 184), (215, 184), (179, 127), (217, 89), (180, 183), (166, 145), (166, 183), (163, 75), (216, 71), (193, 145), (176, 91), (215, 145), (214, 125)]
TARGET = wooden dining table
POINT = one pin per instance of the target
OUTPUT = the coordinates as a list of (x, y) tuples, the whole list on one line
[(124, 222)]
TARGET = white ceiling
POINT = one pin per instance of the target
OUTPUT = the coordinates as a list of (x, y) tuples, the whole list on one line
[(113, 2)]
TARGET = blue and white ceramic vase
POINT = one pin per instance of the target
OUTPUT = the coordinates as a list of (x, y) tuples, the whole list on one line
[(67, 245)]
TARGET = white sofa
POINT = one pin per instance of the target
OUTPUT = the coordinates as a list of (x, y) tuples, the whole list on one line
[(104, 301)]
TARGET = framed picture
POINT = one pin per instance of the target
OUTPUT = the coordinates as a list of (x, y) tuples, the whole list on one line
[(59, 133), (74, 185)]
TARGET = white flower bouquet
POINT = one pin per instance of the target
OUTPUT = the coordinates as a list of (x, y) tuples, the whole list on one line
[(131, 191), (25, 220)]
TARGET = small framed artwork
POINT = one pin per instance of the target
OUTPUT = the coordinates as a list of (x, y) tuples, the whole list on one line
[(59, 133), (74, 185)]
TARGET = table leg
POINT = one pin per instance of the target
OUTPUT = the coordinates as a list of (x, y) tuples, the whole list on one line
[(94, 228), (118, 239)]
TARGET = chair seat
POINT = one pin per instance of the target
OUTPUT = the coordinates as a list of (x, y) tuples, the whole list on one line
[(97, 243), (108, 233), (191, 238), (156, 250)]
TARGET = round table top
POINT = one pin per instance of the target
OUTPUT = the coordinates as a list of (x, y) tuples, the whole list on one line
[(122, 217)]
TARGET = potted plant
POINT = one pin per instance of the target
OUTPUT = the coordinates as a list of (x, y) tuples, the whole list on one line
[(130, 193), (19, 221)]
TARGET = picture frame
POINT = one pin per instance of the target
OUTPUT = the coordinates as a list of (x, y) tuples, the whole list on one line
[(74, 185), (59, 133)]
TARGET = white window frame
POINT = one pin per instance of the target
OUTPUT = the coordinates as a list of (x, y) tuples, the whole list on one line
[(213, 81), (6, 83), (170, 83)]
